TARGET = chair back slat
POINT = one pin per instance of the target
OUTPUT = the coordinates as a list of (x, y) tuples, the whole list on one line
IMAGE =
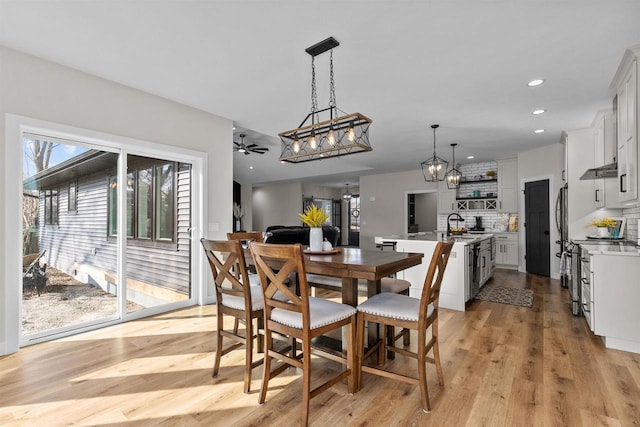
[(227, 263), (246, 237), (435, 273), (275, 264)]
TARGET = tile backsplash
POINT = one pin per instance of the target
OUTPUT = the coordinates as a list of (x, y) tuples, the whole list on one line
[(632, 215), (490, 219)]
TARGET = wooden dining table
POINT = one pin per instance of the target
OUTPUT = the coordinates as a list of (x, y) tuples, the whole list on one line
[(351, 264)]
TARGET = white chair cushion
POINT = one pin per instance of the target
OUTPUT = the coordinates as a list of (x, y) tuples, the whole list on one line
[(254, 280), (321, 311), (238, 302), (387, 284), (394, 306)]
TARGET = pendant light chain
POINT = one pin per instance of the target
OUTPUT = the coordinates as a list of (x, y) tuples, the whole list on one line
[(314, 92), (332, 86)]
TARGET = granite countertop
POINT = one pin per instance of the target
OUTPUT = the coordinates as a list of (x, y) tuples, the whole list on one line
[(611, 249)]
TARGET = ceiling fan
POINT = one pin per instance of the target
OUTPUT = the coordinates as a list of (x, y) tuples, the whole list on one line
[(248, 149)]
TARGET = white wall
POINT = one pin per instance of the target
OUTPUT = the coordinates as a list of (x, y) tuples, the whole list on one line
[(35, 88), (383, 206), (545, 163), (276, 205)]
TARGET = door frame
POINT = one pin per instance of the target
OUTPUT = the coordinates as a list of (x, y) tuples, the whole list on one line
[(406, 206), (16, 126), (522, 265)]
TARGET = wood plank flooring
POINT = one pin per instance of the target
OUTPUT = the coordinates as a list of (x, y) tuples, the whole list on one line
[(503, 365)]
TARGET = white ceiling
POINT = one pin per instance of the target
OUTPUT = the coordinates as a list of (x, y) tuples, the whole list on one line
[(406, 64)]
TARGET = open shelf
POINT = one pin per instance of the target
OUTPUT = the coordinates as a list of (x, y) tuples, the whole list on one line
[(476, 198), (477, 181)]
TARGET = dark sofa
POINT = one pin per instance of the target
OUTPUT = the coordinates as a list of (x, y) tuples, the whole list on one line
[(288, 234)]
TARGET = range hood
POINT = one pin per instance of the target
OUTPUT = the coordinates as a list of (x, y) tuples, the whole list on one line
[(606, 171)]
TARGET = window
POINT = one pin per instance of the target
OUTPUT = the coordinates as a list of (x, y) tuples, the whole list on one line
[(73, 197), (151, 202), (51, 206)]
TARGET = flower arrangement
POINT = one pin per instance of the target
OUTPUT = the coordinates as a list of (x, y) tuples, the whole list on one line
[(604, 222), (491, 173), (313, 216)]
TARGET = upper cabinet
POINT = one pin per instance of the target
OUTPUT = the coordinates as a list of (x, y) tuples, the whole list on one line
[(625, 82), (508, 185), (446, 199), (605, 193)]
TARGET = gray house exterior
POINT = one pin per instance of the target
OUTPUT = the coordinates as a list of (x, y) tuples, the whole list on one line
[(77, 223)]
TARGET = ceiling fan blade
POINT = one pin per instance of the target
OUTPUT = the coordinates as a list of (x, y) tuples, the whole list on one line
[(252, 145), (261, 150), (237, 144), (247, 152)]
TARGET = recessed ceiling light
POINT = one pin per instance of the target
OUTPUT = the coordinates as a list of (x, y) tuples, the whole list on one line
[(470, 157), (282, 162), (535, 82), (538, 111), (538, 131), (250, 167), (234, 128)]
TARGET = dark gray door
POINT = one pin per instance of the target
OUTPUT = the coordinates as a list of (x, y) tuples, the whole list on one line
[(536, 207)]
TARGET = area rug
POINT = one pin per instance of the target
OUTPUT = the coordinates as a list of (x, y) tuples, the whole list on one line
[(502, 295)]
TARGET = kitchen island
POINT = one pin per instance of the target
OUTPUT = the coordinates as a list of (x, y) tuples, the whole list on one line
[(471, 264)]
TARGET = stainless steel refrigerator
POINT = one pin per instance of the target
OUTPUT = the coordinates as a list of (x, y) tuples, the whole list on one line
[(563, 243)]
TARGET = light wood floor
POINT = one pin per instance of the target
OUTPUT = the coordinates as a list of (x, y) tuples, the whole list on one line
[(503, 366)]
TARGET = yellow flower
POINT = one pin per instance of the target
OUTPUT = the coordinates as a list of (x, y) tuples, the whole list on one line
[(313, 216), (604, 222)]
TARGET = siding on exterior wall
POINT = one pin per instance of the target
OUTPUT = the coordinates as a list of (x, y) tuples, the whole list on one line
[(70, 243)]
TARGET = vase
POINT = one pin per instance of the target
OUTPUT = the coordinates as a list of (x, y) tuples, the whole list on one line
[(603, 232), (315, 239)]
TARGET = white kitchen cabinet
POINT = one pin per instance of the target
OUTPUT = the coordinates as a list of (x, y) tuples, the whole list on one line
[(605, 189), (614, 300), (508, 185), (625, 82), (487, 260), (456, 274), (598, 184), (506, 250), (446, 199)]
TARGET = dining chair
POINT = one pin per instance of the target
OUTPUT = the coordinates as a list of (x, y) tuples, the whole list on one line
[(387, 284), (246, 237), (302, 317), (235, 297), (410, 313)]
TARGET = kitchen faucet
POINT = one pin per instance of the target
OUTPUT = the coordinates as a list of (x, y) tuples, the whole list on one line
[(458, 218)]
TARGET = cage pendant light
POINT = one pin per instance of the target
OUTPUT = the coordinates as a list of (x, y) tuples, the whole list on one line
[(454, 176), (347, 195), (328, 132), (434, 168)]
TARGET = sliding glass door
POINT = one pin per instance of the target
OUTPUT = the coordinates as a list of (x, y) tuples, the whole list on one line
[(72, 252)]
